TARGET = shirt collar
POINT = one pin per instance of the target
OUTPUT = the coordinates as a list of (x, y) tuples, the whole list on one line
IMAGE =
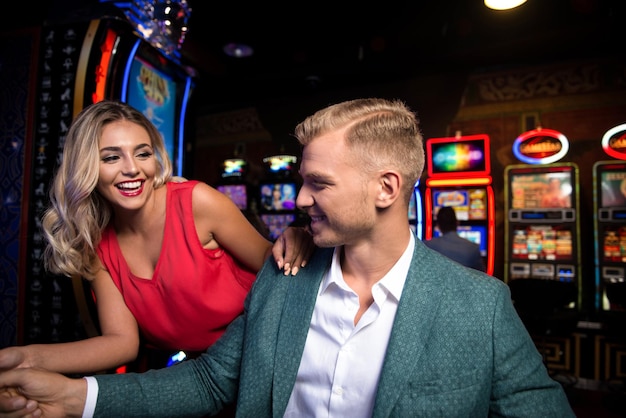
[(393, 281)]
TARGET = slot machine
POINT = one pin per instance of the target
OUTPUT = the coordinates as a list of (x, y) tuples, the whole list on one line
[(416, 212), (459, 175), (542, 224), (84, 61), (277, 194), (609, 181), (232, 182), (136, 62)]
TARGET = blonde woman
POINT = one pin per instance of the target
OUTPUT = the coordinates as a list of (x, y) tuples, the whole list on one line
[(169, 262)]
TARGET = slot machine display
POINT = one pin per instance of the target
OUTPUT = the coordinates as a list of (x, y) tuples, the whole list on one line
[(459, 171), (416, 213), (277, 194), (542, 224), (609, 181), (120, 64), (232, 182)]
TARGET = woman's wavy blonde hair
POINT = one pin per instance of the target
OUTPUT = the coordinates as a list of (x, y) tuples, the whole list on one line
[(77, 214)]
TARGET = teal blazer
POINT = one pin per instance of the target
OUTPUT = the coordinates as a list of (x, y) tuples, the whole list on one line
[(457, 349)]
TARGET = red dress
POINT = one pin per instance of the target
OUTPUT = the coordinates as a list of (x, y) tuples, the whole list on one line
[(194, 293)]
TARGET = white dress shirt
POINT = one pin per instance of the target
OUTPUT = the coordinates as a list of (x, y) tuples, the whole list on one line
[(342, 362)]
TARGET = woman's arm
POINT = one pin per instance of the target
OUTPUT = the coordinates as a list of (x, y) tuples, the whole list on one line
[(118, 344), (220, 222)]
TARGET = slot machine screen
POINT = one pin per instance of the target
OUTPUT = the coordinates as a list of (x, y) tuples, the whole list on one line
[(542, 242), (238, 193), (153, 93), (468, 156), (614, 244), (233, 168), (474, 233), (278, 197), (277, 223), (613, 188), (541, 190), (469, 204), (280, 165), (413, 208)]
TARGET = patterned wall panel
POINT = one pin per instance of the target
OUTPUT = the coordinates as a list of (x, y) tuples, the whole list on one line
[(17, 58), (50, 313)]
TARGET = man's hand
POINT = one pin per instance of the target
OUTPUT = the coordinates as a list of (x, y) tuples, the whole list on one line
[(14, 405), (35, 392), (293, 249)]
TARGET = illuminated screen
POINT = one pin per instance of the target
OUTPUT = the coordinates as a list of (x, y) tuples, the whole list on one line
[(541, 190), (413, 208), (281, 163), (277, 223), (237, 193), (613, 189), (278, 197), (469, 204), (455, 157), (153, 93), (233, 167), (542, 242), (475, 233), (614, 244)]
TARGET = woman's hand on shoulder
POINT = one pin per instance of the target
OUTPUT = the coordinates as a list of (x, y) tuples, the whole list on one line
[(293, 249)]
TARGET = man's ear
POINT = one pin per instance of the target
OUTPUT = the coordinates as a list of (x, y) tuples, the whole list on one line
[(390, 183)]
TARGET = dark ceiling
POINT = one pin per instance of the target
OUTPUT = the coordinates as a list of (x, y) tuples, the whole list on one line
[(306, 46), (328, 44)]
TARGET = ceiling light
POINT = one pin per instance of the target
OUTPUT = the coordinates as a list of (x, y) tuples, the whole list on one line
[(503, 4), (238, 50)]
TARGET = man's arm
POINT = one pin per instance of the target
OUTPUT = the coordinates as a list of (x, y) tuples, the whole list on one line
[(192, 388), (521, 384), (202, 386)]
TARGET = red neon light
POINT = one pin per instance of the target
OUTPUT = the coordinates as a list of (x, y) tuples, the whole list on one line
[(470, 181), (613, 143), (101, 74)]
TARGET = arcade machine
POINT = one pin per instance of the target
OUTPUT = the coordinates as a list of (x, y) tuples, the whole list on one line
[(232, 182), (459, 175), (609, 181), (138, 62), (416, 212), (542, 222), (542, 250), (277, 194), (80, 63)]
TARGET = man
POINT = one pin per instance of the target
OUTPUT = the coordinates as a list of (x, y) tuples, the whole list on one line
[(376, 325), (452, 245)]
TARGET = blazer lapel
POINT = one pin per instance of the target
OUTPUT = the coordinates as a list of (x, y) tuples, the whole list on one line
[(412, 326), (294, 326)]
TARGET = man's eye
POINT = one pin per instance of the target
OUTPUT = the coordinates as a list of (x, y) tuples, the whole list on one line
[(318, 185)]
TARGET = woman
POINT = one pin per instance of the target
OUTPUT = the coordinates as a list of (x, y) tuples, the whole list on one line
[(170, 262)]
